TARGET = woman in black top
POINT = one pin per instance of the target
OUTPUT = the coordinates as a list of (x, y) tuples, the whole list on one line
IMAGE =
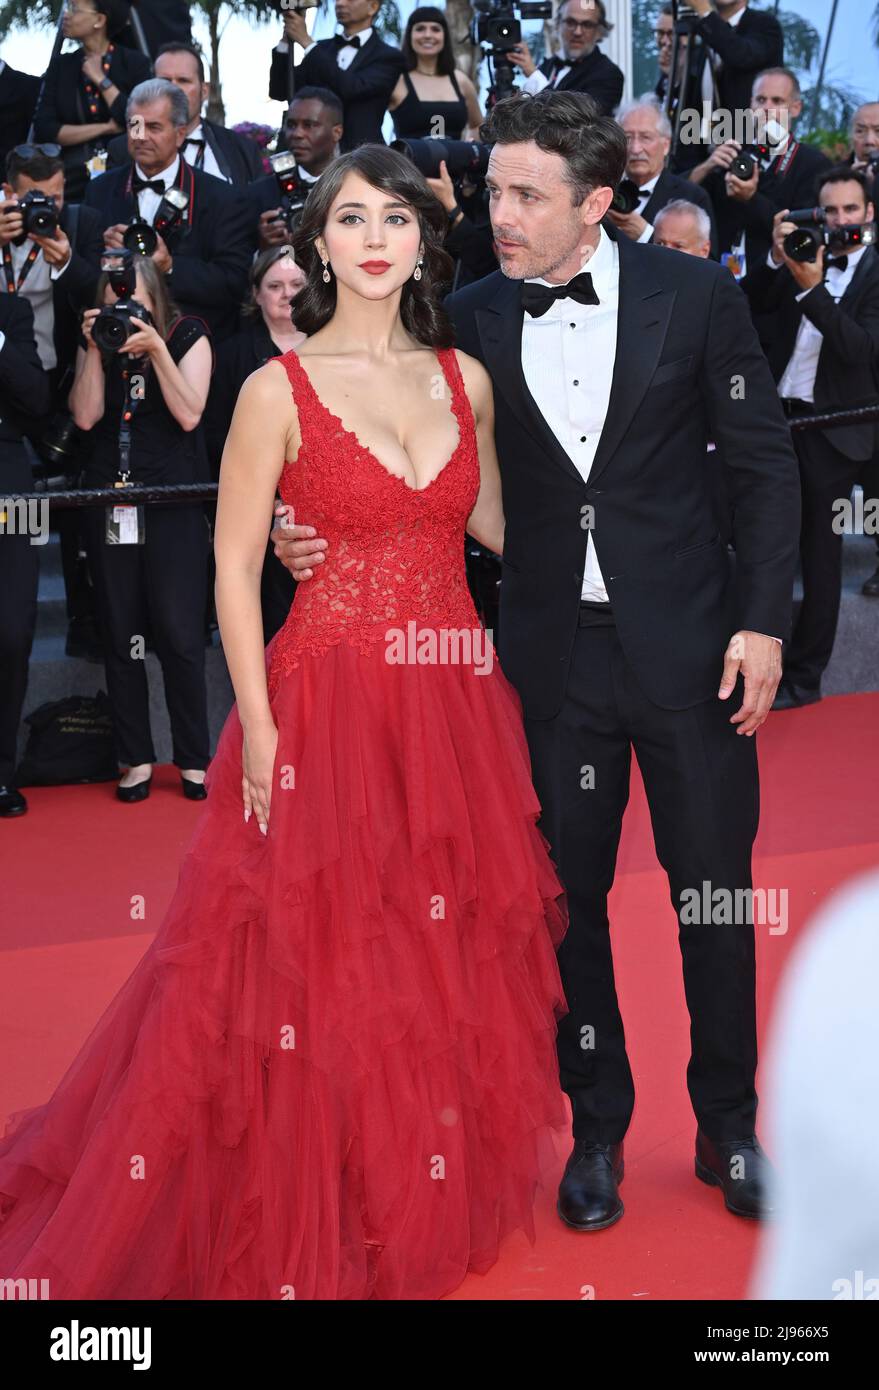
[(432, 98), (267, 331), (83, 98), (141, 406)]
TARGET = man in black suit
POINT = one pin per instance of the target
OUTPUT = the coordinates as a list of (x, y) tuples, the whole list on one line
[(786, 178), (648, 139), (206, 146), (18, 101), (357, 65), (312, 131), (825, 356), (580, 65), (622, 624), (206, 256), (24, 392)]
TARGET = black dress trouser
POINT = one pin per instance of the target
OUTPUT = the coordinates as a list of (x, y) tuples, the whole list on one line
[(163, 580), (19, 580), (701, 781)]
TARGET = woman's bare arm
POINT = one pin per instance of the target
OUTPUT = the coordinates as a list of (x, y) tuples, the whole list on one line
[(486, 522), (264, 431)]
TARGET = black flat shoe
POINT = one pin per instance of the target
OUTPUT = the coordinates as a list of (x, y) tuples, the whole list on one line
[(12, 803), (193, 791), (139, 792), (791, 696), (588, 1197), (740, 1168)]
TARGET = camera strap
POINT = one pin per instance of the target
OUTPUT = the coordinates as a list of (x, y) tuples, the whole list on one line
[(786, 160), (13, 286), (93, 95), (129, 406)]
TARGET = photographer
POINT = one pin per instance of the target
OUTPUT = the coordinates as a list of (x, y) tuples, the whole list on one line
[(782, 174), (82, 101), (24, 390), (201, 226), (825, 357), (648, 183), (357, 65), (142, 403), (739, 43), (580, 66), (311, 133)]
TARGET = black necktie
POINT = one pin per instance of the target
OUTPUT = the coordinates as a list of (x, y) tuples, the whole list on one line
[(836, 263), (341, 42), (140, 185), (536, 299)]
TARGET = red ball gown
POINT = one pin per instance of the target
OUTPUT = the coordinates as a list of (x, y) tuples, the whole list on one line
[(333, 1073)]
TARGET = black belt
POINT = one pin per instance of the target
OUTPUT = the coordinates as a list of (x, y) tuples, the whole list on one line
[(595, 614), (791, 406)]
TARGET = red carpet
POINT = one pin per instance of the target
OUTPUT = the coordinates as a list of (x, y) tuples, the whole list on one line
[(86, 883)]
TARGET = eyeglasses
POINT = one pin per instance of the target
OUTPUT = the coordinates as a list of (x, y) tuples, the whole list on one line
[(28, 151), (587, 25), (663, 35)]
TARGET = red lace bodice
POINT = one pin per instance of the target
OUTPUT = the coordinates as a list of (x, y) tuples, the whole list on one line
[(394, 552)]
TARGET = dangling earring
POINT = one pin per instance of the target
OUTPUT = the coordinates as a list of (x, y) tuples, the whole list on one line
[(416, 274), (326, 274)]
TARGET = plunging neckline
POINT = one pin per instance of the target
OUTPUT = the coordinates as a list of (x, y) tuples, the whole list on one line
[(398, 477)]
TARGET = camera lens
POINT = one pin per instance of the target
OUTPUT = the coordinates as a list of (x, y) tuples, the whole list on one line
[(140, 239), (800, 245), (110, 330)]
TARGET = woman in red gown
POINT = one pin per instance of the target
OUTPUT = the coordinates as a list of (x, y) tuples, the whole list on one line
[(333, 1074)]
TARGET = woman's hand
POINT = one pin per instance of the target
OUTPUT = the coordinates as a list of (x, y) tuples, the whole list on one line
[(145, 341), (258, 766), (88, 321), (93, 67)]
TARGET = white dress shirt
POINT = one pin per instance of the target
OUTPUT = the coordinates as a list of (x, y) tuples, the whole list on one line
[(538, 80), (798, 381), (37, 290), (345, 55), (645, 193), (147, 201), (568, 357), (208, 164)]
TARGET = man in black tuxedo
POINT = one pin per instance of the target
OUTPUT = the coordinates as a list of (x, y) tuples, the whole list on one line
[(648, 139), (18, 101), (745, 207), (312, 131), (206, 256), (24, 393), (580, 66), (622, 623), (864, 133), (825, 356), (357, 65), (206, 146)]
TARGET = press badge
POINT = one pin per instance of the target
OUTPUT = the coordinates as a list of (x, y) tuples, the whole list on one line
[(125, 525)]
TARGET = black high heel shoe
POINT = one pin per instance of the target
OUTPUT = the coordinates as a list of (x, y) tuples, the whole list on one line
[(193, 791), (139, 792)]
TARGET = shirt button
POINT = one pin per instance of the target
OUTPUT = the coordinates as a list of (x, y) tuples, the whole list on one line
[(576, 383), (582, 439), (573, 325)]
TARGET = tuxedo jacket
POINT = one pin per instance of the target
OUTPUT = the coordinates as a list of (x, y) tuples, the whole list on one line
[(595, 75), (211, 253), (364, 88), (24, 386), (237, 157), (685, 342), (795, 188), (18, 101), (670, 186), (848, 365)]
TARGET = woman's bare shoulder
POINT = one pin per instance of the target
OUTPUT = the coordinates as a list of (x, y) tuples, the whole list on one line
[(477, 381)]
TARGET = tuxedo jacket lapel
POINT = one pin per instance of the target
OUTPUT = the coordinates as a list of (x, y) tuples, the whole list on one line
[(212, 142)]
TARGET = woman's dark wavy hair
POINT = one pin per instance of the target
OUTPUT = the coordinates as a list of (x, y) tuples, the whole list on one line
[(391, 172), (570, 124), (445, 59)]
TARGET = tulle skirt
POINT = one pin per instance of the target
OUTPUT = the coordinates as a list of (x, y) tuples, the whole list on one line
[(333, 1073)]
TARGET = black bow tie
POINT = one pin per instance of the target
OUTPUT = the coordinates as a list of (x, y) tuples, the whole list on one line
[(836, 263), (341, 42), (536, 299), (194, 140), (141, 185)]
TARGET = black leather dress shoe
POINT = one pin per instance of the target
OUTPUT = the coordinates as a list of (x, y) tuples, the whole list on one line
[(870, 587), (740, 1168), (139, 792), (193, 791), (791, 696), (12, 803), (588, 1197)]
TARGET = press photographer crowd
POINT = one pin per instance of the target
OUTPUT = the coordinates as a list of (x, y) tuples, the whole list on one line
[(148, 271)]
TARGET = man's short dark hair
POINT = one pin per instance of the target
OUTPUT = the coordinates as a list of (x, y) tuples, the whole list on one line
[(324, 96), (185, 48), (37, 167), (843, 173), (570, 124)]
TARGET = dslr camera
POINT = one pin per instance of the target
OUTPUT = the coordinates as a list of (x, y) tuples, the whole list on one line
[(39, 215), (142, 238), (116, 322), (762, 153), (811, 231), (496, 29), (626, 198), (293, 190)]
